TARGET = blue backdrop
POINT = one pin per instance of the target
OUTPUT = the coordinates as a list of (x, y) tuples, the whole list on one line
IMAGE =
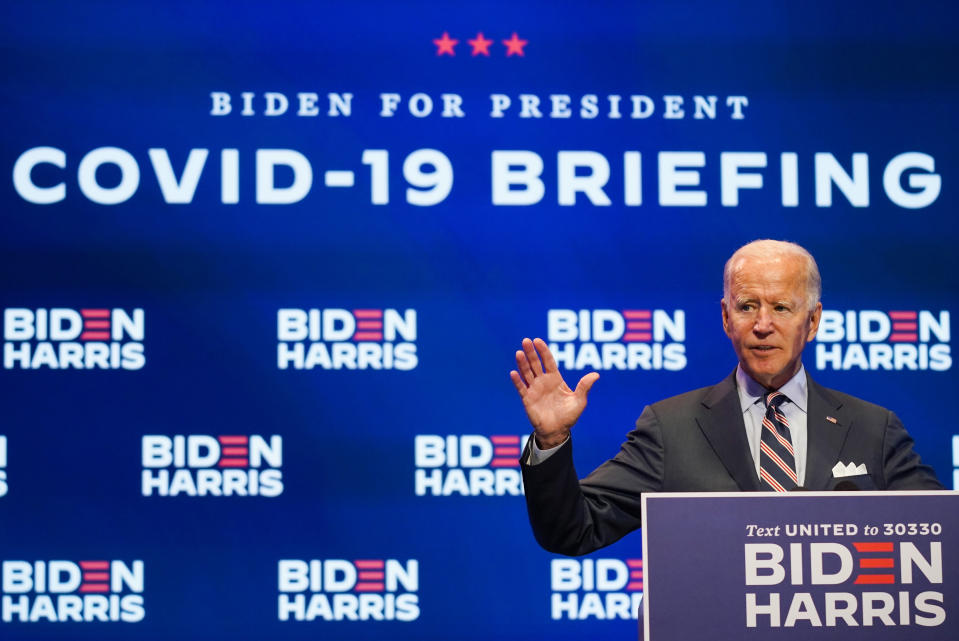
[(170, 220)]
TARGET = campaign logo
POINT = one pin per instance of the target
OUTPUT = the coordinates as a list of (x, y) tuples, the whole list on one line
[(61, 338), (878, 340), (596, 588), (602, 339), (826, 583), (468, 465), (3, 465), (341, 590), (203, 465), (81, 591), (351, 339)]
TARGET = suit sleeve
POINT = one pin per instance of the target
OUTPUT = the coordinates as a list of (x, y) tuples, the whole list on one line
[(575, 517), (902, 467)]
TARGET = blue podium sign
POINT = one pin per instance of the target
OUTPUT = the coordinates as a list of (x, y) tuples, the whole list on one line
[(805, 565)]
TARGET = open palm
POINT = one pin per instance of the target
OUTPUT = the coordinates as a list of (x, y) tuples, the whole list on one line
[(552, 407)]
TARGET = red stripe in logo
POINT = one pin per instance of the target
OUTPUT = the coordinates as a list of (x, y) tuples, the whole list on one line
[(901, 315), (366, 575), (902, 337), (905, 327), (877, 563), (368, 336), (873, 579), (873, 547), (236, 451), (96, 576), (368, 564)]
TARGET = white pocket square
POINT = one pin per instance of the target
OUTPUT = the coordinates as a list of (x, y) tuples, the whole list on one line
[(839, 470)]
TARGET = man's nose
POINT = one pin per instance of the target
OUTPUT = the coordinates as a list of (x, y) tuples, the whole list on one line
[(764, 323)]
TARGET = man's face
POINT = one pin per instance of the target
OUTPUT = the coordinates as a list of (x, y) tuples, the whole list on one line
[(767, 317)]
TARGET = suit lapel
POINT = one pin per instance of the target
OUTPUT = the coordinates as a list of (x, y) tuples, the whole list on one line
[(728, 437), (825, 438)]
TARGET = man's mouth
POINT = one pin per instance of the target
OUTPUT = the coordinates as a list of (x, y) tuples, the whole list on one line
[(763, 348)]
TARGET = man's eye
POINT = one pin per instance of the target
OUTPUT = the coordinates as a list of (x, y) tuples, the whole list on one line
[(746, 307)]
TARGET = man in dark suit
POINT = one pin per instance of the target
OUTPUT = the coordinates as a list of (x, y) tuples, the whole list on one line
[(766, 427)]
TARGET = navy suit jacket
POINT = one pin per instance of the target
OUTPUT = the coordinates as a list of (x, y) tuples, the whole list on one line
[(696, 442)]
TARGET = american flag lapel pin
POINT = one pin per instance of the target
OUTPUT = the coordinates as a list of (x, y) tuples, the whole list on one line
[(832, 420)]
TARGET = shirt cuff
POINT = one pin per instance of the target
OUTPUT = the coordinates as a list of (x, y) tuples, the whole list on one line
[(536, 455)]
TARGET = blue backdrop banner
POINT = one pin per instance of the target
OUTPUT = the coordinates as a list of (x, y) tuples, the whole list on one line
[(265, 268)]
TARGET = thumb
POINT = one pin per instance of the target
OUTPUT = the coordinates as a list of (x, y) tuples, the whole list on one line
[(585, 383)]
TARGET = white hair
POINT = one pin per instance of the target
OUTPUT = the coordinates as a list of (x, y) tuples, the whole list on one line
[(771, 249)]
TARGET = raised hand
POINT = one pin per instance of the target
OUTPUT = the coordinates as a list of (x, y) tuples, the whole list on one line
[(552, 407)]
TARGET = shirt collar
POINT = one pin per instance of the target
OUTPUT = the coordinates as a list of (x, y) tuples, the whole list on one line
[(751, 392)]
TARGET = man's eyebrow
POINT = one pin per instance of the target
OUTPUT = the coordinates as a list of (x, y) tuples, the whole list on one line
[(739, 300)]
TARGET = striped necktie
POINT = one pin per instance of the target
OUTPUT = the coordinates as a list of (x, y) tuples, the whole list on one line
[(777, 463)]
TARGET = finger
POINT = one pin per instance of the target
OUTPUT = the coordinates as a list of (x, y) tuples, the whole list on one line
[(535, 365), (518, 382), (549, 363), (585, 383), (522, 364)]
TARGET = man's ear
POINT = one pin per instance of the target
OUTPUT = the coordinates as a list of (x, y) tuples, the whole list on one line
[(722, 304), (814, 319)]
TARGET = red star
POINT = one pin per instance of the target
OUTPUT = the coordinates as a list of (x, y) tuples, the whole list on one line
[(480, 45), (515, 46), (445, 44)]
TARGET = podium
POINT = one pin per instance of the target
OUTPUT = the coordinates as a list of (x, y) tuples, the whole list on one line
[(801, 566)]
